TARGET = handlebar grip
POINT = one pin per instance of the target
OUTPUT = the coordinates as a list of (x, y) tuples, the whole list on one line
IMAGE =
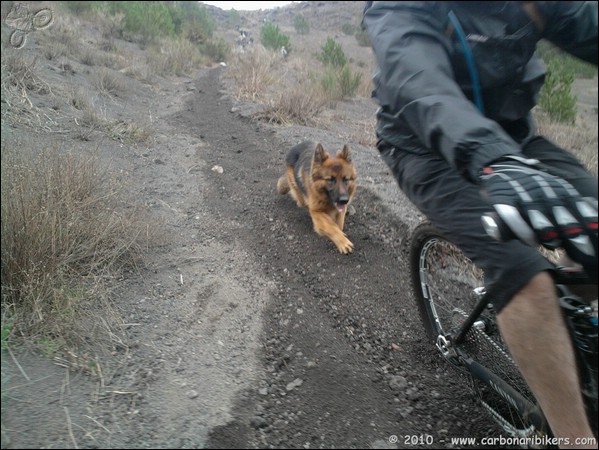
[(497, 229)]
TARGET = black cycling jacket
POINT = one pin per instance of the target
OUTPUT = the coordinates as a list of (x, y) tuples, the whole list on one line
[(424, 87)]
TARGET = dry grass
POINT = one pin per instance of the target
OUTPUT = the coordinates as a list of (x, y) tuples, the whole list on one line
[(296, 106), (364, 133), (20, 74), (62, 238), (20, 81), (108, 82), (253, 73), (129, 132), (174, 57), (580, 138)]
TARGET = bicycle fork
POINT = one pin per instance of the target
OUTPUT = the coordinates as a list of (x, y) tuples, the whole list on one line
[(450, 348)]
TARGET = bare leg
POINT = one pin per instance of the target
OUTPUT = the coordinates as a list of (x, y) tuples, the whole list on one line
[(536, 334)]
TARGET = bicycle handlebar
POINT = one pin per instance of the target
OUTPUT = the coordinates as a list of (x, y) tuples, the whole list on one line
[(497, 229)]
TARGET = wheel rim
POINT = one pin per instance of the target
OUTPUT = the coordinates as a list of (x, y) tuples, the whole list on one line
[(446, 275), (450, 287)]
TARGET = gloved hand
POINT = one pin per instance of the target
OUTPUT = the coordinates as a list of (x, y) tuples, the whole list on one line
[(540, 208)]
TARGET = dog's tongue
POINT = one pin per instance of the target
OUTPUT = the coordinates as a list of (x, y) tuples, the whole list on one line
[(340, 207)]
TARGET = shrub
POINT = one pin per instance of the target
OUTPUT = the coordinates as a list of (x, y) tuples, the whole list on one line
[(332, 54), (175, 57), (216, 49), (301, 24), (348, 82), (547, 52), (199, 25), (341, 83), (362, 38), (328, 83), (272, 38), (348, 28), (556, 97), (61, 237), (297, 105), (252, 72), (148, 19), (234, 18), (79, 8)]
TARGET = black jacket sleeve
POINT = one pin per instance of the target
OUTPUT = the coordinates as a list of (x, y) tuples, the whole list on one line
[(417, 92), (572, 26)]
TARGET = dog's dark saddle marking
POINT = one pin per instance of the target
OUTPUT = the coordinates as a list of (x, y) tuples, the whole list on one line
[(301, 160)]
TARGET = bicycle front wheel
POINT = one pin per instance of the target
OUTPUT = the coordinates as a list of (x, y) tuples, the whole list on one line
[(447, 286), (445, 281)]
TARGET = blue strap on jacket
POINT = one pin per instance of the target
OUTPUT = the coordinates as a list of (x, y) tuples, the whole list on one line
[(478, 99)]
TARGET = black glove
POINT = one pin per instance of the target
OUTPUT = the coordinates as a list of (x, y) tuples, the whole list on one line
[(540, 208)]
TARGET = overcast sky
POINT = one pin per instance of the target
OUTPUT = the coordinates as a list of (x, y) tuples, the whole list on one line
[(246, 6)]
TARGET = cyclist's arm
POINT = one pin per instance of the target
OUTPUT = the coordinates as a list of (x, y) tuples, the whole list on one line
[(415, 86), (572, 26)]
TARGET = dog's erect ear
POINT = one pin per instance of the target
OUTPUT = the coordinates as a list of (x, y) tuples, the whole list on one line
[(320, 155), (344, 153)]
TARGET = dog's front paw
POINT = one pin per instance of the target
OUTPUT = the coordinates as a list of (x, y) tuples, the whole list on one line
[(345, 246)]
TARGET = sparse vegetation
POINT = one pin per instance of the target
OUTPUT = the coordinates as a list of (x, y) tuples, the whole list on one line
[(348, 28), (109, 82), (94, 114), (253, 73), (362, 38), (332, 53), (174, 57), (348, 82), (272, 38), (301, 24), (339, 81), (556, 97), (234, 18), (216, 49), (198, 25), (61, 235), (581, 69), (300, 106)]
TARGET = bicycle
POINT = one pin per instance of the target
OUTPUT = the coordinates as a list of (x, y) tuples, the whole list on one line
[(459, 318)]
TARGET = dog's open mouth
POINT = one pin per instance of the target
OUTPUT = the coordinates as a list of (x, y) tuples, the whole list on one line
[(341, 207)]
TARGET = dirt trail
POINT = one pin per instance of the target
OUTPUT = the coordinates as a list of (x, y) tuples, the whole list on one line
[(246, 329)]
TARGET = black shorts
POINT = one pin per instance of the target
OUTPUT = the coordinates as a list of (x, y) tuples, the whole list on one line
[(455, 207)]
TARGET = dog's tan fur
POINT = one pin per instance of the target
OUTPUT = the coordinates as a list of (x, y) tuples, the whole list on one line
[(325, 185)]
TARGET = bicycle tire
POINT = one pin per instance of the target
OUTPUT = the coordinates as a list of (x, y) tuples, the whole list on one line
[(430, 248), (444, 282)]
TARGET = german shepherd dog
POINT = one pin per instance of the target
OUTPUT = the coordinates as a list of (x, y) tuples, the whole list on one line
[(325, 185)]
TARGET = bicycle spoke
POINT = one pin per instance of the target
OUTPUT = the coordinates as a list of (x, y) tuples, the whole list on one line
[(449, 285)]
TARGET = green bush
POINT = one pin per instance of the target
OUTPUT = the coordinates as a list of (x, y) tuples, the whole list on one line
[(80, 7), (272, 37), (348, 28), (339, 83), (329, 85), (556, 97), (198, 19), (234, 18), (151, 20), (217, 50), (348, 82), (301, 24), (547, 52), (332, 54)]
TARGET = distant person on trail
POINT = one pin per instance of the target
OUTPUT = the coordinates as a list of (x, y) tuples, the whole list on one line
[(455, 84)]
